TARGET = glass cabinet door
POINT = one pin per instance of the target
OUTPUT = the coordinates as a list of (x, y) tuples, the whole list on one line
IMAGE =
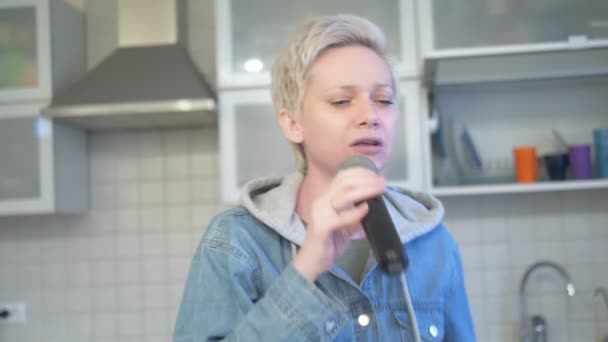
[(42, 164), (19, 159), (261, 149), (25, 61), (251, 32), (18, 67), (406, 167), (19, 45), (252, 144), (491, 23)]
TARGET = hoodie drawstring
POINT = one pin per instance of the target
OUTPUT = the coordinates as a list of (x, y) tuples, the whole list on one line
[(294, 251)]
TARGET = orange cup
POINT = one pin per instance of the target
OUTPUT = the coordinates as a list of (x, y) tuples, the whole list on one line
[(526, 167)]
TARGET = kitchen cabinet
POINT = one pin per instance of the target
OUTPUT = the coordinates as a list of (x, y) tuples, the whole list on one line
[(490, 27), (42, 164), (509, 73), (499, 116), (252, 144), (248, 33), (41, 48), (499, 40)]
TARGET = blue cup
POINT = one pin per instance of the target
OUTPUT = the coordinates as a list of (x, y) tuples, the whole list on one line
[(600, 142), (556, 165)]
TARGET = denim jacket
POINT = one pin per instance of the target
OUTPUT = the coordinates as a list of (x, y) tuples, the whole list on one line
[(242, 285)]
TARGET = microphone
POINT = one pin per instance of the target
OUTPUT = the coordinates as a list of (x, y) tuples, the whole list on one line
[(379, 227)]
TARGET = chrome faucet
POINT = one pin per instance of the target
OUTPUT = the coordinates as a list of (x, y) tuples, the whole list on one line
[(602, 291), (523, 301)]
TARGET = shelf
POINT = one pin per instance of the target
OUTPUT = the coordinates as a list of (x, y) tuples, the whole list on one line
[(520, 188), (523, 49), (494, 65)]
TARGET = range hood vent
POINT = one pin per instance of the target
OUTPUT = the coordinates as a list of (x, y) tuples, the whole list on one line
[(139, 86)]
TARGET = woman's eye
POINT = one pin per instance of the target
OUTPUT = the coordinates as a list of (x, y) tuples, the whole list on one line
[(340, 103), (385, 102)]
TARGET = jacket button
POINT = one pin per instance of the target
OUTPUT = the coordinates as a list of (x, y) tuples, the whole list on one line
[(363, 320), (329, 326), (433, 330)]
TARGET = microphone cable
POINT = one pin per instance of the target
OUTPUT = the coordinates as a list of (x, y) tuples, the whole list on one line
[(410, 308)]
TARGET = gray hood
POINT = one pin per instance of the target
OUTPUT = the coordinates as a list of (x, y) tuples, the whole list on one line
[(273, 201)]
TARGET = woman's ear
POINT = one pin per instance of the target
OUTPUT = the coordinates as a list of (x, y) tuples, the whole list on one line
[(291, 127)]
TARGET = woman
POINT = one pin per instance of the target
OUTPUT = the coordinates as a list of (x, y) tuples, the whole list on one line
[(292, 263)]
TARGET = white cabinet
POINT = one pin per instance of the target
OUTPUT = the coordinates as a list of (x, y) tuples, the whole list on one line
[(42, 164), (31, 67), (249, 33), (481, 27), (510, 73), (252, 144), (500, 116)]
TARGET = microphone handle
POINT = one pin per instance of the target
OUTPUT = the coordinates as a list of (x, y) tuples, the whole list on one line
[(383, 238)]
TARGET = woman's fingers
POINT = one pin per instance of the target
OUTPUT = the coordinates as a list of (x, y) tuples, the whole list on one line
[(349, 197), (345, 220), (352, 177), (336, 219), (354, 188), (351, 218)]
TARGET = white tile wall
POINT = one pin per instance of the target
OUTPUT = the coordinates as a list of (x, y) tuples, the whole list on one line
[(117, 272), (509, 233)]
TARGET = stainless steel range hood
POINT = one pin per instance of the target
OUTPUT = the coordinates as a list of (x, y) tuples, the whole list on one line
[(146, 81)]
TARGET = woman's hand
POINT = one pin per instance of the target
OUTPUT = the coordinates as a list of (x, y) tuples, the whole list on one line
[(336, 220)]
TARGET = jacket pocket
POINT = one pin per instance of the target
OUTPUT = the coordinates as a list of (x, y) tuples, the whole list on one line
[(429, 314)]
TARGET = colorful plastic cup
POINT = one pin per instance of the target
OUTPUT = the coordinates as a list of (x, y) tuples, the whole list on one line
[(556, 165), (580, 161), (600, 142), (526, 166)]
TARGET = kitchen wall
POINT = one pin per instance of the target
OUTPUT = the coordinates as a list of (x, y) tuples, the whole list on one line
[(501, 235), (116, 273)]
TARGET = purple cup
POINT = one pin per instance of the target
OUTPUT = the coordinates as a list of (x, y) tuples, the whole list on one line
[(580, 161)]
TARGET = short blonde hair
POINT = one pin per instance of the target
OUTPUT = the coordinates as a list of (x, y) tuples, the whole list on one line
[(291, 66)]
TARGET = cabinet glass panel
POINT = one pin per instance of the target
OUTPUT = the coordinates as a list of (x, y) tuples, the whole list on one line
[(18, 53), (396, 169), (260, 27), (261, 149), (19, 158), (479, 23)]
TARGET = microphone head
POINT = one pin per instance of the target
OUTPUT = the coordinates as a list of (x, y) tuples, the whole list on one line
[(358, 160)]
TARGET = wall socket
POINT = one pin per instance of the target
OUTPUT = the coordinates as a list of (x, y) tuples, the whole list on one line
[(16, 313)]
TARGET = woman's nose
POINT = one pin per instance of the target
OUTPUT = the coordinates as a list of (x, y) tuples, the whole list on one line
[(368, 115)]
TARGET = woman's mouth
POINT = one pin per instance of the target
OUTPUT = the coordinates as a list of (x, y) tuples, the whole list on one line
[(367, 145)]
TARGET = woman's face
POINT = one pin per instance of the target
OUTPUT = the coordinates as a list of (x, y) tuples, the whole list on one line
[(348, 108)]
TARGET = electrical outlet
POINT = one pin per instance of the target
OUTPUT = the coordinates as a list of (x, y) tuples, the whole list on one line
[(14, 313)]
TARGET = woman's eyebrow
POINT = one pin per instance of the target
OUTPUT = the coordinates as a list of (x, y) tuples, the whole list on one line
[(353, 87)]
